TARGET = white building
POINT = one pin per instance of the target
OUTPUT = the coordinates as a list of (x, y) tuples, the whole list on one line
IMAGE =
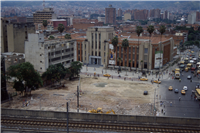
[(192, 18), (43, 53)]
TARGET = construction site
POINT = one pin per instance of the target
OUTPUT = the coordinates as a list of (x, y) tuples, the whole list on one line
[(96, 95)]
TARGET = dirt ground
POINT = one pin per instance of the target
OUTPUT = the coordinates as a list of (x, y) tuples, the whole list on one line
[(124, 97)]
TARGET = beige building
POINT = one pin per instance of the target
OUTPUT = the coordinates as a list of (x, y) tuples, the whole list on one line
[(17, 33), (3, 36), (127, 16), (46, 14)]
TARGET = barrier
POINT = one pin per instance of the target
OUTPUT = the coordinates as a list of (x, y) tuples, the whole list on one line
[(100, 117)]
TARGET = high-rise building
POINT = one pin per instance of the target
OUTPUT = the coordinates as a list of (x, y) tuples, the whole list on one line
[(110, 15), (46, 14), (119, 12), (198, 16), (192, 18), (155, 13), (165, 15), (141, 14)]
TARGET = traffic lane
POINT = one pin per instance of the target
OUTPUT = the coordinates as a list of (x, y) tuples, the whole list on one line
[(187, 107)]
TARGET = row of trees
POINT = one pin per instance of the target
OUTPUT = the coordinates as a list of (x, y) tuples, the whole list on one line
[(139, 30), (27, 77), (61, 28)]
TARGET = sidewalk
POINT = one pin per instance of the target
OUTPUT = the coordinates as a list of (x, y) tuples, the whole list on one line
[(114, 73)]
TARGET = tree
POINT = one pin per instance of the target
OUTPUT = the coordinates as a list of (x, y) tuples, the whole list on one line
[(139, 30), (51, 37), (75, 68), (68, 36), (61, 28), (161, 30), (44, 23), (25, 75), (150, 29), (125, 44), (115, 42)]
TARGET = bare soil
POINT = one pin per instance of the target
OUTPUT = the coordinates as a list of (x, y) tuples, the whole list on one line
[(124, 97)]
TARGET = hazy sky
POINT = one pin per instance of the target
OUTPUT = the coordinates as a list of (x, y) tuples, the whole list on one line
[(99, 0)]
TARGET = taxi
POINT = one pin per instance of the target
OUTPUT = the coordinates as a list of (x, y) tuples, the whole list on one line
[(156, 81), (183, 92), (144, 79), (198, 71), (106, 75), (170, 88), (192, 51), (186, 69), (190, 58)]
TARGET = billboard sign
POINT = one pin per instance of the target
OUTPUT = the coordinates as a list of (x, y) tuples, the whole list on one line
[(158, 59), (111, 55)]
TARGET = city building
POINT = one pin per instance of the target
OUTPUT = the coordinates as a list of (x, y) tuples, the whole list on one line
[(3, 90), (154, 13), (198, 16), (12, 58), (29, 19), (97, 49), (43, 53), (55, 22), (119, 12), (46, 14), (83, 24), (69, 19), (110, 14), (192, 18), (4, 38), (127, 16), (101, 19), (14, 34), (140, 14)]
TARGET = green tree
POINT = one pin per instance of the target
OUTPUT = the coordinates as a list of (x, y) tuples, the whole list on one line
[(75, 68), (115, 42), (125, 44), (150, 29), (61, 28), (44, 23), (51, 37), (161, 29), (139, 30), (68, 36), (25, 75)]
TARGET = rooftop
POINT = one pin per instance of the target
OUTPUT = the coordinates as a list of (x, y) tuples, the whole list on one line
[(103, 27)]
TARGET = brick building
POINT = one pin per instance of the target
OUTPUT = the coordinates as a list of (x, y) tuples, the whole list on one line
[(110, 14), (140, 14), (46, 14), (154, 13)]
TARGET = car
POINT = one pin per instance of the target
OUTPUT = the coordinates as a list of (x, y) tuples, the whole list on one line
[(189, 77), (182, 66), (144, 79), (106, 75), (183, 92), (145, 92), (185, 88), (176, 91), (156, 81), (170, 88)]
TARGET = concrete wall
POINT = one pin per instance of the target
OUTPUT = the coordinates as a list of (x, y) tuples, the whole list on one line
[(102, 117)]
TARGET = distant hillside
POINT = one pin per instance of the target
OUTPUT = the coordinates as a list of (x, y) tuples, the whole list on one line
[(184, 5)]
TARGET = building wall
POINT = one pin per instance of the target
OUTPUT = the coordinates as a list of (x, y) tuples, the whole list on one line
[(141, 14), (4, 39), (110, 15), (119, 12), (46, 14), (43, 53), (127, 16), (17, 33), (86, 25)]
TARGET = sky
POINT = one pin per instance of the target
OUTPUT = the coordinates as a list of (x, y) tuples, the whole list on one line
[(99, 0)]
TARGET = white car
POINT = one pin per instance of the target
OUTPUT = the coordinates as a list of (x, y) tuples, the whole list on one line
[(185, 88)]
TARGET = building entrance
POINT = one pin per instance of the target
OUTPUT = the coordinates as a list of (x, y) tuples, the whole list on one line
[(95, 60)]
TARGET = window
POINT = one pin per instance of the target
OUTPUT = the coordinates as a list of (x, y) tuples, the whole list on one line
[(122, 49), (85, 53), (92, 53), (145, 50), (137, 50), (117, 55), (99, 45), (95, 53), (104, 60), (92, 44), (145, 57), (129, 56), (104, 54), (85, 46), (104, 47), (133, 49), (137, 56), (133, 56), (99, 53), (117, 49), (121, 55), (129, 49)]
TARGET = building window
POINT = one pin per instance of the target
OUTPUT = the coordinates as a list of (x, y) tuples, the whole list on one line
[(104, 47), (122, 49), (129, 49), (137, 50), (145, 57), (133, 56), (117, 55), (41, 68), (104, 54), (99, 45), (95, 53), (92, 53), (133, 49), (104, 60), (129, 56), (118, 49), (85, 53), (85, 46), (92, 44), (137, 56), (121, 55), (95, 44), (99, 53), (145, 50)]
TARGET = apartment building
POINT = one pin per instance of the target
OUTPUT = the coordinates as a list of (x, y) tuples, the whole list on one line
[(46, 14), (119, 12), (154, 13), (43, 53), (110, 14), (140, 14)]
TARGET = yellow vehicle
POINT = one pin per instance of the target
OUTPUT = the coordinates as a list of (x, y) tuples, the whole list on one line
[(198, 71), (186, 60), (106, 75), (192, 51), (99, 111), (156, 81), (177, 69), (189, 65), (182, 62), (177, 74), (144, 79), (186, 69), (109, 111), (170, 88), (190, 58), (183, 92)]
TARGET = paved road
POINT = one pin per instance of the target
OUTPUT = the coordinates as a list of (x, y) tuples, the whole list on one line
[(187, 106)]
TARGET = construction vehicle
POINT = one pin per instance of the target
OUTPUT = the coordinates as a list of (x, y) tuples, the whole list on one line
[(99, 111)]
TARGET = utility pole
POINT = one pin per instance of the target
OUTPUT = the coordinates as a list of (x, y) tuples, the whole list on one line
[(77, 98), (67, 119)]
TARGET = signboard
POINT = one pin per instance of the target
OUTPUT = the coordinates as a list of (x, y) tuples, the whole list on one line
[(111, 55), (158, 59)]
